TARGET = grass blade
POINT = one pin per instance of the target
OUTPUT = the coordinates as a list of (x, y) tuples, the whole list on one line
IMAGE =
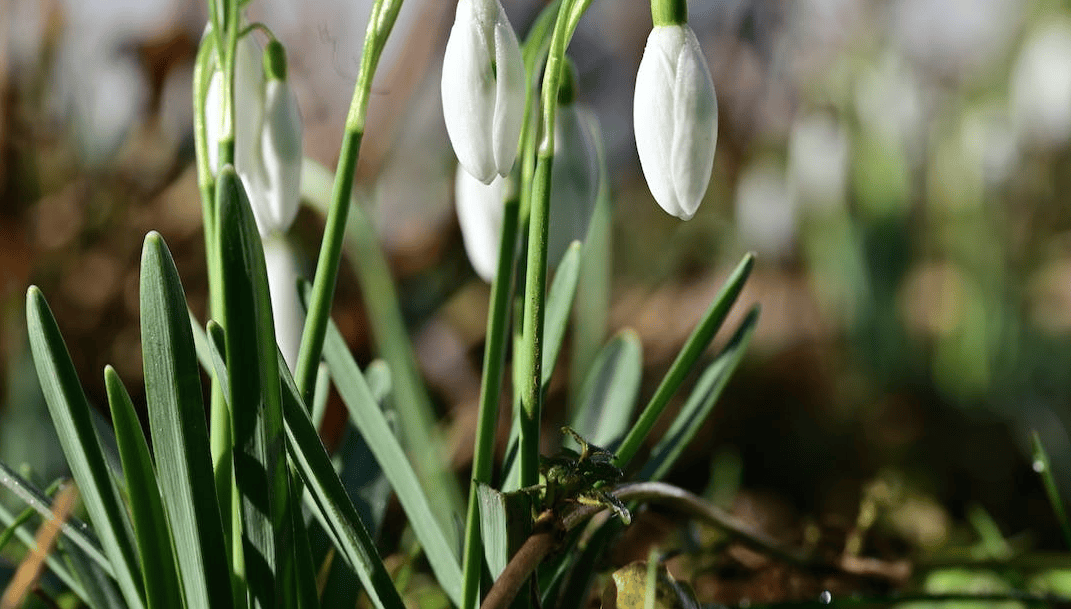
[(700, 402), (159, 570), (369, 420), (608, 396), (256, 412), (179, 431), (687, 357), (310, 458), (559, 306), (1044, 469), (74, 424)]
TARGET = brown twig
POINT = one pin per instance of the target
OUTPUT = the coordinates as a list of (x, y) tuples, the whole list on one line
[(545, 536)]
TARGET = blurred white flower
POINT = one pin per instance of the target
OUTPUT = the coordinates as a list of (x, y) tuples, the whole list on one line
[(676, 119), (479, 213), (483, 89), (574, 180), (766, 210), (818, 159), (574, 187), (1041, 85)]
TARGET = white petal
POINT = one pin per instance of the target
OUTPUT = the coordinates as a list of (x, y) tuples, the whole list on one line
[(479, 213), (280, 151), (509, 102), (283, 273)]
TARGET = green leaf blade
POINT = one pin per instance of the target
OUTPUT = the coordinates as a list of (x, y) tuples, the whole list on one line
[(559, 306), (369, 420), (179, 431), (701, 402), (310, 459), (71, 415), (159, 570), (256, 411), (609, 393)]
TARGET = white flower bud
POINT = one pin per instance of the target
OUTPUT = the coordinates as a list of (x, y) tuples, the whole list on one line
[(676, 119), (483, 89)]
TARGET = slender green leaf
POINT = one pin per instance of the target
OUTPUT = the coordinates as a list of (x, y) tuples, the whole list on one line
[(256, 412), (74, 425), (146, 507), (689, 354), (559, 306), (200, 343), (179, 432), (366, 415), (1044, 469), (700, 402), (336, 510), (608, 396), (76, 530)]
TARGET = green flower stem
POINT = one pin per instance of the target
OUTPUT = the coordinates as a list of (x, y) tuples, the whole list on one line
[(384, 14), (687, 357), (490, 390), (536, 269), (669, 12), (391, 337)]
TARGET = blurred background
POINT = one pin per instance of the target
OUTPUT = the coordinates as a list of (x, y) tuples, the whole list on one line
[(901, 167)]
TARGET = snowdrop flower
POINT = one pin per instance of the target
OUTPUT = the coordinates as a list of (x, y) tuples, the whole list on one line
[(675, 118), (483, 89), (267, 132), (279, 150), (574, 185)]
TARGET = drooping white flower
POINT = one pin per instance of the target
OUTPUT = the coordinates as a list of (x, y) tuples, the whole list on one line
[(483, 89), (574, 185), (280, 155), (267, 133), (479, 213), (676, 119)]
